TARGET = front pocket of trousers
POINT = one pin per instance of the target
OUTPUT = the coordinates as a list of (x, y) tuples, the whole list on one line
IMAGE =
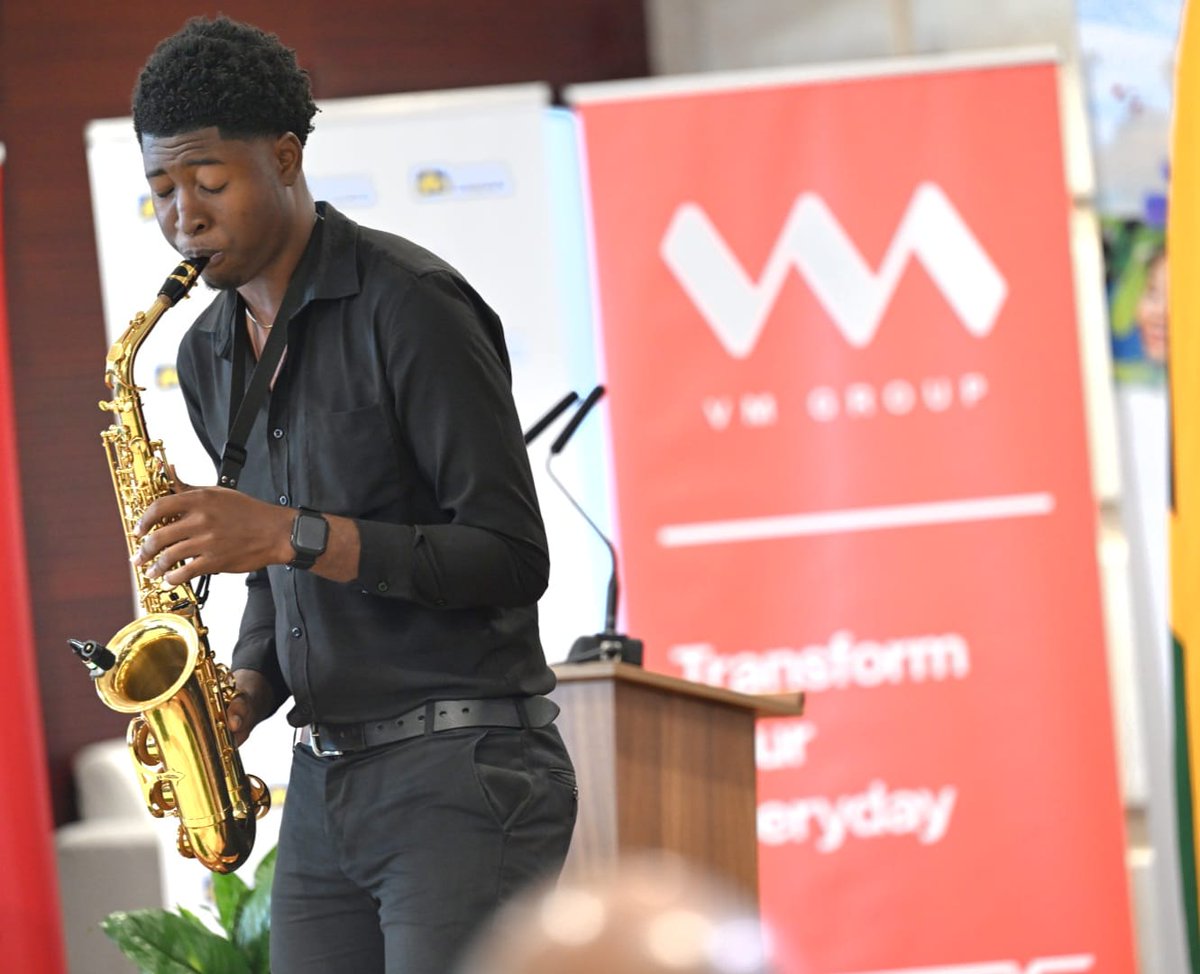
[(566, 776), (504, 782)]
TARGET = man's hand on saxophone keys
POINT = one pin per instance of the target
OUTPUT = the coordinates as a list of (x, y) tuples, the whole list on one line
[(252, 701), (207, 530)]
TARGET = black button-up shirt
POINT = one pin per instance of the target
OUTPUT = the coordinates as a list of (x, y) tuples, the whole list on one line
[(393, 407)]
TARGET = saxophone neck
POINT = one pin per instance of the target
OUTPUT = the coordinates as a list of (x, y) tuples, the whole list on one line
[(118, 364), (120, 358)]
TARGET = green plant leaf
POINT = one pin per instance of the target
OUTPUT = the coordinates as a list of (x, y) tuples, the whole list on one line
[(229, 893), (252, 932), (264, 874), (191, 917), (166, 943)]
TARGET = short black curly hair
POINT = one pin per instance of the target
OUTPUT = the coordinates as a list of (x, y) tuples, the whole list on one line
[(226, 74)]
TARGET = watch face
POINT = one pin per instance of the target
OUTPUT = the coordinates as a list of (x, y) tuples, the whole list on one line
[(310, 533)]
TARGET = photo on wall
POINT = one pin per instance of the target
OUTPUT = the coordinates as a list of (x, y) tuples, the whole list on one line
[(1135, 260)]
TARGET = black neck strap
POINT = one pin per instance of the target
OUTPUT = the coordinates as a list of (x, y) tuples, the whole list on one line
[(244, 403)]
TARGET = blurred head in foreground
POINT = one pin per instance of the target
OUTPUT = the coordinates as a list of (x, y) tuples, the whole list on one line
[(654, 914)]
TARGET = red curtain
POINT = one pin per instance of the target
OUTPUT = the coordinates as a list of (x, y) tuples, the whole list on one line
[(30, 922)]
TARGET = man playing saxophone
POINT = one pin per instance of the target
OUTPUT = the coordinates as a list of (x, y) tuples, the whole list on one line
[(353, 391)]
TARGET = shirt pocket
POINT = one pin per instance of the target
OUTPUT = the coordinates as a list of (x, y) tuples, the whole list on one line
[(351, 464)]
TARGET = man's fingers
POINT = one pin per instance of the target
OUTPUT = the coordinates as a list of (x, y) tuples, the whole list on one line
[(164, 508), (177, 485), (165, 546), (185, 572), (178, 562), (239, 723), (240, 712), (237, 711)]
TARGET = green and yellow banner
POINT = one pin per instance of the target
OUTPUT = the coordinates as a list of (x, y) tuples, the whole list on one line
[(1183, 247)]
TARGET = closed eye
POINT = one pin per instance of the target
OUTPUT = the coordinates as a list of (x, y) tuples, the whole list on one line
[(214, 190)]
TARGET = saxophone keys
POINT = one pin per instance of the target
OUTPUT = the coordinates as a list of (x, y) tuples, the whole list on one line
[(161, 798), (260, 795), (143, 745), (184, 844)]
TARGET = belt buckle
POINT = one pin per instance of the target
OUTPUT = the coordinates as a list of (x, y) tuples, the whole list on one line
[(317, 747)]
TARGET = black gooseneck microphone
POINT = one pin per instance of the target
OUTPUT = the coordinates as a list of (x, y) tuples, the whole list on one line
[(568, 431), (609, 644), (552, 414)]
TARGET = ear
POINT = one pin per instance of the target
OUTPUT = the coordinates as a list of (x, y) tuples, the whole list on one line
[(289, 158)]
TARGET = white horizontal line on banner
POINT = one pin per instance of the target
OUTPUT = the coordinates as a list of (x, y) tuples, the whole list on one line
[(856, 519), (1063, 964)]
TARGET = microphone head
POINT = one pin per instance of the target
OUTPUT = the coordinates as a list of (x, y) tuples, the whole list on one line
[(554, 412), (585, 407)]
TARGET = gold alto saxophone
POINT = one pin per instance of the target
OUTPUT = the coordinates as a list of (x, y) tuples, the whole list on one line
[(160, 667)]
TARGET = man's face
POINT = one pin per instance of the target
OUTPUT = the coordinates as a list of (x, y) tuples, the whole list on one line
[(225, 198)]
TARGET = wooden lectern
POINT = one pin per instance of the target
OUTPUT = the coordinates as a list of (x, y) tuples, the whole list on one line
[(662, 763)]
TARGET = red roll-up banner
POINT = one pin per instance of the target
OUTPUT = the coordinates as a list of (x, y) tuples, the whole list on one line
[(850, 459), (30, 922)]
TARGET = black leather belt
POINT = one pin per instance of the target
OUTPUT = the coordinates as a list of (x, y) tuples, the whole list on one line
[(432, 717)]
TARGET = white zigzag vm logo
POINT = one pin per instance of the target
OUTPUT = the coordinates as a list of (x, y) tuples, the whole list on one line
[(813, 241)]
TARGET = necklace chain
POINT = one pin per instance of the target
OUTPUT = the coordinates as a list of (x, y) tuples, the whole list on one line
[(255, 321)]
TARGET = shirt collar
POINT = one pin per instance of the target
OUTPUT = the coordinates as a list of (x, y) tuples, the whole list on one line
[(332, 273)]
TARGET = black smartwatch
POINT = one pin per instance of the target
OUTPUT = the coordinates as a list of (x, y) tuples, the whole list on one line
[(310, 535)]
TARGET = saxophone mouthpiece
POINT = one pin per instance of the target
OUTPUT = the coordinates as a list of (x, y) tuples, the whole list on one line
[(181, 280), (99, 659)]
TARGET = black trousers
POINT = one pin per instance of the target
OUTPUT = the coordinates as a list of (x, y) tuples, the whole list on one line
[(390, 859)]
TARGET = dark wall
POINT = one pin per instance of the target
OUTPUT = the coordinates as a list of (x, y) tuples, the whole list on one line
[(66, 63)]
